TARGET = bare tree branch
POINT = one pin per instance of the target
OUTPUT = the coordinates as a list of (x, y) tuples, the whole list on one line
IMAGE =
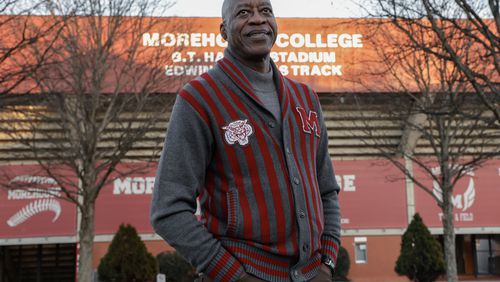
[(99, 94), (444, 69)]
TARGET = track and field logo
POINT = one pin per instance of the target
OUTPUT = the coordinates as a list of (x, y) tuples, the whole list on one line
[(461, 200), (237, 132)]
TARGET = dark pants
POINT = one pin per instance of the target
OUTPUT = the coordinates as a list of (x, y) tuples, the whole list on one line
[(323, 276)]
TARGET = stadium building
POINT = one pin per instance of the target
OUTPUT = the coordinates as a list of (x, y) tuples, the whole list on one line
[(38, 231)]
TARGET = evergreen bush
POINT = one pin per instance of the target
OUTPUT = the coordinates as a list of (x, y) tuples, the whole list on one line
[(175, 267), (421, 257), (127, 258)]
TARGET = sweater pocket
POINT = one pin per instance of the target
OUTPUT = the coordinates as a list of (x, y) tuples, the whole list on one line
[(232, 212)]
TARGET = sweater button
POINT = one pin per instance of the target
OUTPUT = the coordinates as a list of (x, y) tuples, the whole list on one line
[(302, 214), (305, 247), (271, 124), (296, 180), (295, 274)]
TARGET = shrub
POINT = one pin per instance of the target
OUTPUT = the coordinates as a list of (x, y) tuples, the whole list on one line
[(175, 267), (127, 258), (421, 258)]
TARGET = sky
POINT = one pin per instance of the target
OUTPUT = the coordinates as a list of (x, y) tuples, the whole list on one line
[(282, 8), (211, 8), (299, 8)]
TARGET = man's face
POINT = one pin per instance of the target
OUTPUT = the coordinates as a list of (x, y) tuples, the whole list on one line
[(250, 28)]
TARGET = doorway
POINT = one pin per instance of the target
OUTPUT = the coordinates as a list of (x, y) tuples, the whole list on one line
[(40, 263), (487, 254)]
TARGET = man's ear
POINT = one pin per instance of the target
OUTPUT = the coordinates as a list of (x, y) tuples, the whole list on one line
[(223, 31)]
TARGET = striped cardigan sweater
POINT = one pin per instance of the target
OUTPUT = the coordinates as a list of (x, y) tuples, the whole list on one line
[(267, 189)]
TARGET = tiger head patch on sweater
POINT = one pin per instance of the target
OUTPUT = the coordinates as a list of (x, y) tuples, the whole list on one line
[(237, 132)]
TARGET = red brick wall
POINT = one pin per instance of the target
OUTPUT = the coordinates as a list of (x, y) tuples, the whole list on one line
[(382, 253)]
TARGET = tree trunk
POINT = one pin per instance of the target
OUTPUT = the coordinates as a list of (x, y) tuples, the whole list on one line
[(86, 233), (449, 236), (412, 133)]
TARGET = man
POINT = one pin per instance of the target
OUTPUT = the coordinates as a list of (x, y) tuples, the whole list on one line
[(252, 145)]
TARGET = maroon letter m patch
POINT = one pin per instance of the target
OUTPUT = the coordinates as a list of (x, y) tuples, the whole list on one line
[(309, 121)]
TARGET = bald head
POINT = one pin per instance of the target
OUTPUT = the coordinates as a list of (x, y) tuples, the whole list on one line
[(225, 8), (250, 29)]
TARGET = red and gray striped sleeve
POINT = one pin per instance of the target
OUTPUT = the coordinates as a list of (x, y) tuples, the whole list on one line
[(329, 189), (180, 176)]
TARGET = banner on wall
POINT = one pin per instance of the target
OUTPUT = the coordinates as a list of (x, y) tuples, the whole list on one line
[(126, 199), (32, 203), (331, 55), (373, 194), (474, 197), (324, 53)]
